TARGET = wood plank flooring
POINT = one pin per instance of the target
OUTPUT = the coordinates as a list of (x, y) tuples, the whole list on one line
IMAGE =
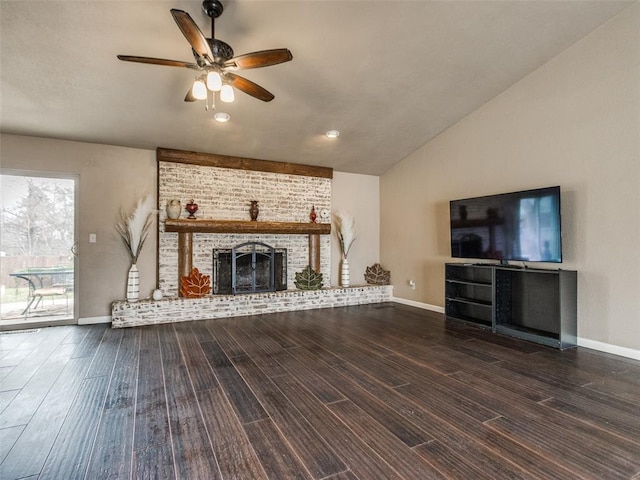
[(368, 392)]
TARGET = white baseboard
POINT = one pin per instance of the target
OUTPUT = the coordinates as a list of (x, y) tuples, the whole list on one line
[(608, 348), (582, 342), (413, 303), (94, 320)]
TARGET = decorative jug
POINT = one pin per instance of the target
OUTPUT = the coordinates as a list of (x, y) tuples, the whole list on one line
[(254, 210), (174, 209)]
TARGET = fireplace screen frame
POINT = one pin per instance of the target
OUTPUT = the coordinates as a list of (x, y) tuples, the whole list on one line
[(253, 255)]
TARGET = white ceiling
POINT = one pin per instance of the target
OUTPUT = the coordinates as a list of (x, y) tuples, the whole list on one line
[(390, 75)]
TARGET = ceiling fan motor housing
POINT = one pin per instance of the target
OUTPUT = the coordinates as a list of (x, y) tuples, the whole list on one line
[(222, 51)]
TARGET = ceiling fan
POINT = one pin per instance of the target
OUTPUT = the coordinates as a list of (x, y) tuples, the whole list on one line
[(214, 61)]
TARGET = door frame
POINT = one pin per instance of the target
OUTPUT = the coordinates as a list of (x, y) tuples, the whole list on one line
[(76, 229)]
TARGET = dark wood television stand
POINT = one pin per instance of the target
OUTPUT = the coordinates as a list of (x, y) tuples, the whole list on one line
[(537, 305)]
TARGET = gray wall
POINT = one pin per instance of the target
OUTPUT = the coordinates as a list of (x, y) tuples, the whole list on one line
[(113, 177), (575, 122)]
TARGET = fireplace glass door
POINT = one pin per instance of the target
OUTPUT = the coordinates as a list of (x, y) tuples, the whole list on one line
[(251, 267)]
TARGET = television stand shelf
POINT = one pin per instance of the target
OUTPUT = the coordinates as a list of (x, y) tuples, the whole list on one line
[(532, 304)]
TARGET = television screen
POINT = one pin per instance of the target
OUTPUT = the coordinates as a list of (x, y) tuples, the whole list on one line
[(522, 226)]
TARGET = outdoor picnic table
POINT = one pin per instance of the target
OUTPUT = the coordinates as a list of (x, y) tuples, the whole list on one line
[(60, 282)]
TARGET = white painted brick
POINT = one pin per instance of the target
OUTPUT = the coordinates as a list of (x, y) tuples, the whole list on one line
[(171, 310), (224, 194)]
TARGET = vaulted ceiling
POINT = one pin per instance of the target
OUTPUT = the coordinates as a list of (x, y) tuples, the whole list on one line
[(389, 75)]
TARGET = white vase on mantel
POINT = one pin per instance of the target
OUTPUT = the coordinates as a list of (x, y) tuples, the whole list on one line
[(133, 284), (344, 273), (174, 209)]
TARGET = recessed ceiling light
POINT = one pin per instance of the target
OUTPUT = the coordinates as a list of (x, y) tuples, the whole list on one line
[(333, 134), (222, 117)]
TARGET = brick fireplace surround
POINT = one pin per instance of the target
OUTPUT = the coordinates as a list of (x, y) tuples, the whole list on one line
[(223, 188)]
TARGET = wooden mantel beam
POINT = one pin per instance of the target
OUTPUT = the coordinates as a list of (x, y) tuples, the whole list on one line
[(239, 163), (239, 226)]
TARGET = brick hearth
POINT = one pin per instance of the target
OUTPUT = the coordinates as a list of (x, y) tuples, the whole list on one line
[(175, 309)]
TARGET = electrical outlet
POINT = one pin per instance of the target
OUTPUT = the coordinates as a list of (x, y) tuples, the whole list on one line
[(92, 238), (412, 284)]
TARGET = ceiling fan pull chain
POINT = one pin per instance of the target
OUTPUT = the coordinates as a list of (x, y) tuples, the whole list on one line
[(212, 100)]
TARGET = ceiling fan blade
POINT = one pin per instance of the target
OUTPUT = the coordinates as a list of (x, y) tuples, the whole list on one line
[(248, 87), (189, 96), (157, 61), (193, 34), (263, 58)]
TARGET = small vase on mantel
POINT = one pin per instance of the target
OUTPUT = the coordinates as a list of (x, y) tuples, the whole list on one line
[(254, 210), (133, 284), (174, 209), (192, 208), (344, 273)]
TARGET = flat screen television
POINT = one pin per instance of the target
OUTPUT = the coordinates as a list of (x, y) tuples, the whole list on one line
[(520, 226)]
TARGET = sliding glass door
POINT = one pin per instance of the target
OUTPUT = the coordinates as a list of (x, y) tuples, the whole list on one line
[(37, 250)]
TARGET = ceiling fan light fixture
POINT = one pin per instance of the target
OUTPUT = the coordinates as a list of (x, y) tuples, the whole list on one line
[(333, 134), (215, 58), (199, 90), (214, 81), (226, 94), (222, 117)]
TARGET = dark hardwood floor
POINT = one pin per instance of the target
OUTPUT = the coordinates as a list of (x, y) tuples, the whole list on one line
[(369, 392)]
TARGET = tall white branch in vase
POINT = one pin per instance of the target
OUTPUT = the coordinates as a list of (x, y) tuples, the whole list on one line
[(346, 232)]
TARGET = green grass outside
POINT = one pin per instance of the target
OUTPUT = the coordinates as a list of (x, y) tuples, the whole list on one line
[(13, 295)]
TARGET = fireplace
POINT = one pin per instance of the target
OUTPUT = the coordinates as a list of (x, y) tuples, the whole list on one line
[(223, 187), (250, 267)]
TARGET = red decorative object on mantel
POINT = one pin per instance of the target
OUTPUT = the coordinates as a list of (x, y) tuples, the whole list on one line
[(192, 208), (254, 210), (195, 285), (313, 215)]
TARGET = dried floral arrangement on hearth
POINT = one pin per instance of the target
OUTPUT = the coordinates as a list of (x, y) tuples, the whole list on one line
[(134, 227), (345, 230)]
